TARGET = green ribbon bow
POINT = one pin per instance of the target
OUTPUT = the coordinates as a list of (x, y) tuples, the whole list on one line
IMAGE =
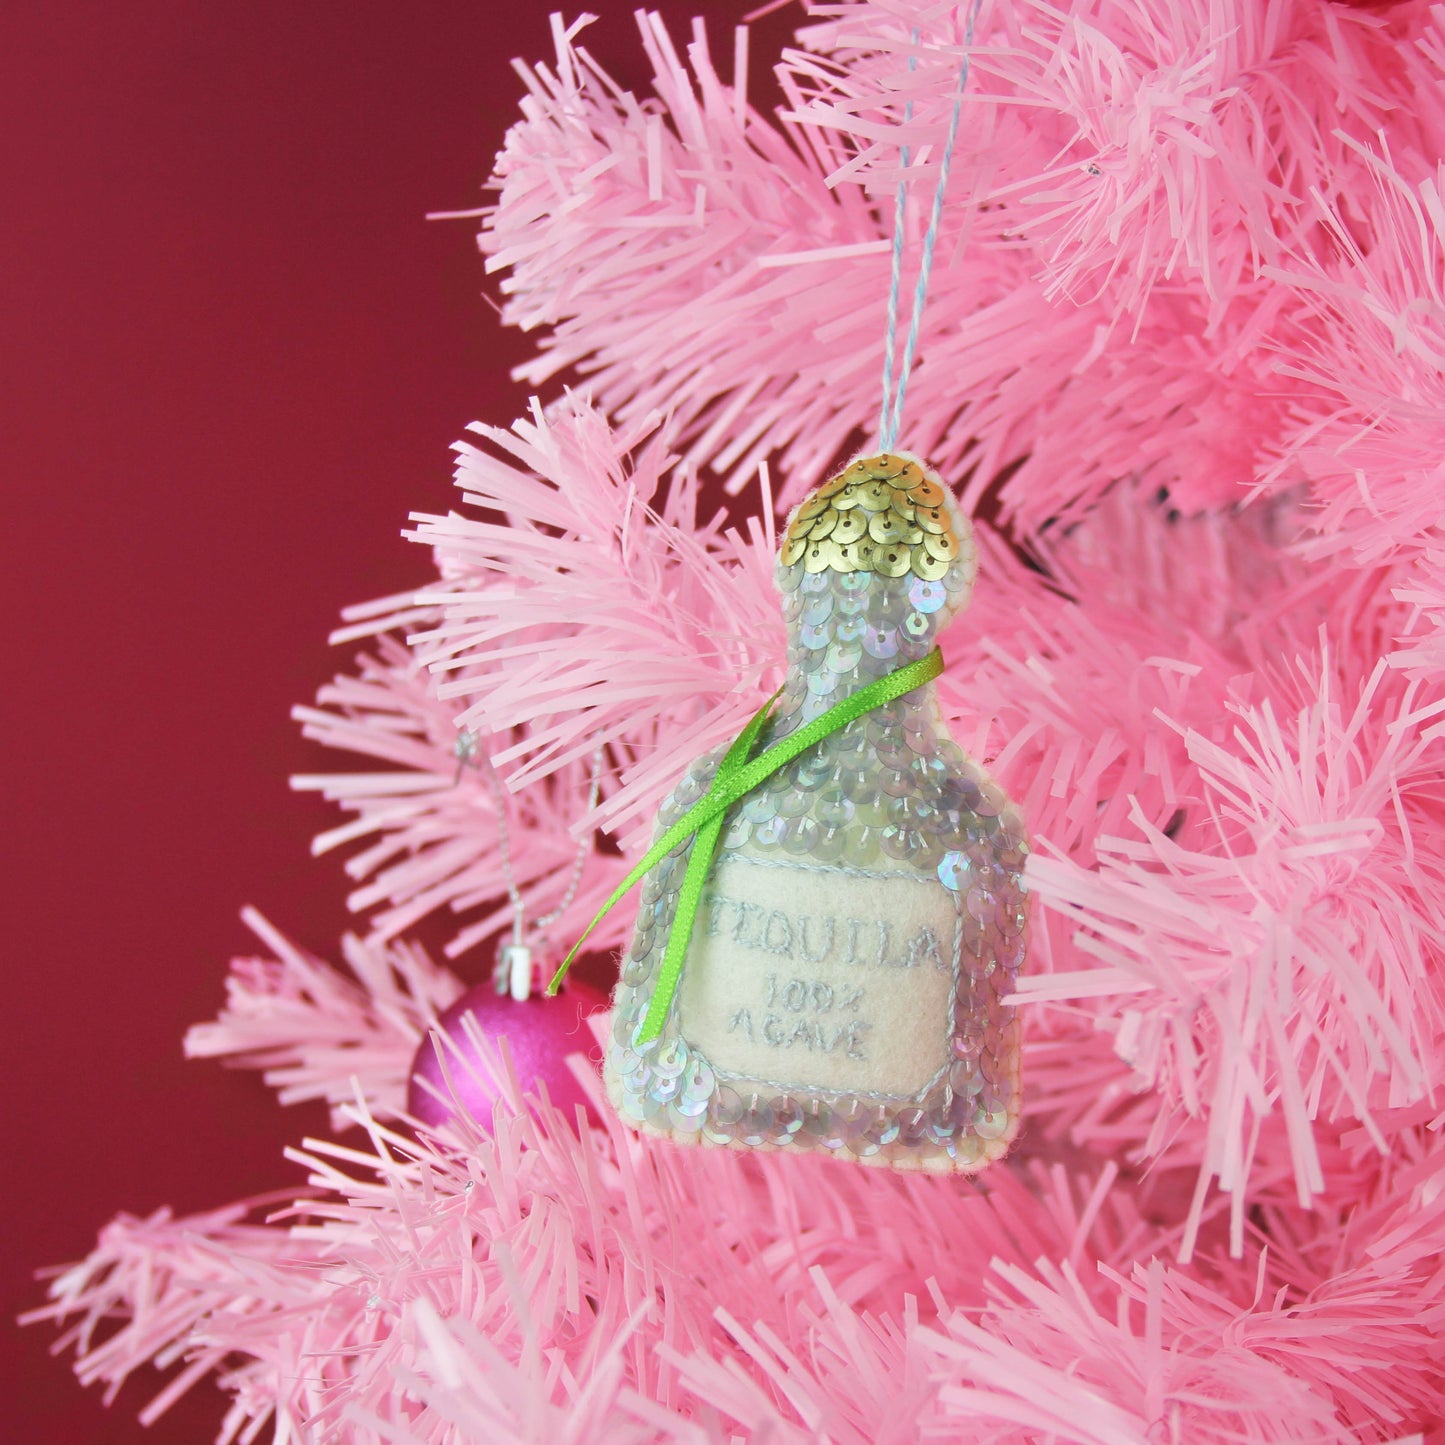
[(737, 775)]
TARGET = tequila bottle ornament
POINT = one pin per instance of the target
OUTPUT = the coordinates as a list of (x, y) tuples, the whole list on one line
[(862, 923)]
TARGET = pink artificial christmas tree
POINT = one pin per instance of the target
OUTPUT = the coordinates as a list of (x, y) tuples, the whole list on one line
[(1183, 358)]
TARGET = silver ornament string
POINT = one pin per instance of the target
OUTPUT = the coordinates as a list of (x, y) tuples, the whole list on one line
[(504, 848), (892, 410), (513, 972)]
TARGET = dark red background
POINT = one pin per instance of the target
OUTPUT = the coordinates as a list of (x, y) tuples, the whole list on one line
[(234, 356)]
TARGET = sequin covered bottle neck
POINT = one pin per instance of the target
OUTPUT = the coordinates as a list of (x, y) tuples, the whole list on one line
[(846, 630)]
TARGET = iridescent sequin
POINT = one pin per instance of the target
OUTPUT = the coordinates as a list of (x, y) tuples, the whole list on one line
[(880, 642)]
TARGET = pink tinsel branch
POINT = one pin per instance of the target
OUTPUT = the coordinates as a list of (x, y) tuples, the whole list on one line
[(508, 1287), (598, 606), (316, 1033)]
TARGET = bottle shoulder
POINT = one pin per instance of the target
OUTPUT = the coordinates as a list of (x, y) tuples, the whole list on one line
[(886, 795)]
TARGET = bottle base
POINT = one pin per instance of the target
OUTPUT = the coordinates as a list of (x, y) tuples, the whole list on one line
[(970, 1156)]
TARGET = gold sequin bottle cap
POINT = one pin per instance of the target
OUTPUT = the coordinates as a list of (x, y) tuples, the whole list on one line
[(882, 514)]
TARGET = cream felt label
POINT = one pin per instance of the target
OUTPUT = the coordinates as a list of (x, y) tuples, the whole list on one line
[(823, 979)]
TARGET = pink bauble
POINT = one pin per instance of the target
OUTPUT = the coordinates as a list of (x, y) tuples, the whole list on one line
[(540, 1033)]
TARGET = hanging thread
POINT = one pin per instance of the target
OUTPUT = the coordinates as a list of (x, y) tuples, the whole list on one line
[(504, 850), (514, 959), (891, 416)]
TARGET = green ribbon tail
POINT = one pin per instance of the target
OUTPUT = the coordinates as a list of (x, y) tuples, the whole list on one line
[(694, 880), (737, 775), (664, 845)]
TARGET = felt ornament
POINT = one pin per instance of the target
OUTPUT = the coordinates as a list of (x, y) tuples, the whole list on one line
[(837, 977)]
